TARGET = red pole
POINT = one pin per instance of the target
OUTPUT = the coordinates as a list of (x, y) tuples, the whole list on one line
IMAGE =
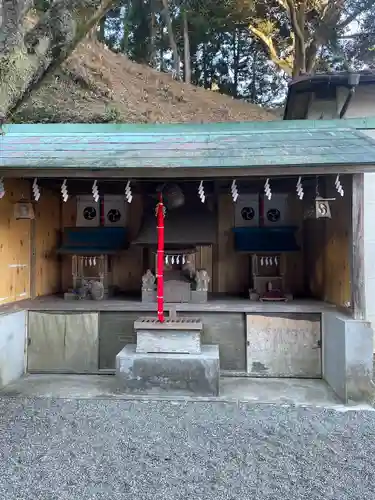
[(160, 259)]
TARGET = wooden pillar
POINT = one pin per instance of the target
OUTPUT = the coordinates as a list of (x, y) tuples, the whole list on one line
[(32, 242), (358, 257)]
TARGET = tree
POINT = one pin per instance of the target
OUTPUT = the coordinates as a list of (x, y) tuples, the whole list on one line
[(166, 13), (296, 30), (27, 55)]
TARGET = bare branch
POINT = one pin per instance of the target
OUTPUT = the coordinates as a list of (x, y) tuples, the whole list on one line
[(268, 43), (361, 9), (298, 23)]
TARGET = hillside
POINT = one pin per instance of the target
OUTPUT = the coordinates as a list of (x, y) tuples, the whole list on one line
[(96, 85)]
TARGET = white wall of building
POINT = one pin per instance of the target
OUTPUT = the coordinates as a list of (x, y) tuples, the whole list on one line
[(369, 242), (362, 105)]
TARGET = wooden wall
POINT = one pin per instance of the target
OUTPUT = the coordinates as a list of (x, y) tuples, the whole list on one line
[(30, 267), (337, 268), (292, 263), (46, 265), (321, 268), (328, 249), (230, 269), (15, 236)]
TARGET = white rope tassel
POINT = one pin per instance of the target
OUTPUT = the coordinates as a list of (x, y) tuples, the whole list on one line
[(267, 189), (95, 191), (234, 191), (64, 191), (202, 196), (338, 185), (36, 191), (128, 192), (299, 188)]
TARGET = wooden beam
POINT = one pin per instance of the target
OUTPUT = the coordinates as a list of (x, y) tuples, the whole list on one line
[(182, 172), (358, 257)]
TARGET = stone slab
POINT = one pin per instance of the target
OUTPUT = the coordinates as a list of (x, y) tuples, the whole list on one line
[(178, 323), (198, 297), (189, 374), (149, 296), (172, 341)]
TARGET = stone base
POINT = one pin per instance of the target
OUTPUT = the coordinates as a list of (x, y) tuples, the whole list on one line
[(188, 374), (179, 335), (149, 296), (198, 297), (74, 296)]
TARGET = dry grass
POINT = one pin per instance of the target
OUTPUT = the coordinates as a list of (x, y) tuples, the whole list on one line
[(96, 85)]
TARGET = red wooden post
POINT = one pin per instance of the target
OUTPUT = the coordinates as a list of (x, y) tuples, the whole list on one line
[(160, 259)]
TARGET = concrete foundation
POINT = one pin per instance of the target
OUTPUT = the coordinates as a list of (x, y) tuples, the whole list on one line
[(347, 357), (192, 374), (12, 346)]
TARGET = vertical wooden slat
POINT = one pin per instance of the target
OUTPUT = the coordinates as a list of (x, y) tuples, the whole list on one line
[(215, 247), (46, 226), (233, 267), (357, 245), (14, 245)]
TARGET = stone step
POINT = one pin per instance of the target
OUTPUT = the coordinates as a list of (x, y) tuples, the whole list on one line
[(189, 374)]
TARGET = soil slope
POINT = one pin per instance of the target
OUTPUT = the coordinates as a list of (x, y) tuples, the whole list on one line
[(96, 85)]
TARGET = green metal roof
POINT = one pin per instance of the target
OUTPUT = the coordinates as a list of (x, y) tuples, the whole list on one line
[(225, 145)]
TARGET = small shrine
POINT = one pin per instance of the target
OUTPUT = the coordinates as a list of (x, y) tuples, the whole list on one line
[(91, 250), (189, 223), (182, 282), (263, 230)]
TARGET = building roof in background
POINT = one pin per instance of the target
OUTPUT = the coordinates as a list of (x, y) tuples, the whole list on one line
[(318, 82), (147, 150)]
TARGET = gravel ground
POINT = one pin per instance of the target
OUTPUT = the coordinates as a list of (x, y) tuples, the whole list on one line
[(106, 449)]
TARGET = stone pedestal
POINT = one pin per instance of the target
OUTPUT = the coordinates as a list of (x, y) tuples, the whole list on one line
[(169, 357), (177, 336)]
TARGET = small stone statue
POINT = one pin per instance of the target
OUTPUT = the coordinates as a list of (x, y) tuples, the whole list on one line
[(202, 280), (148, 281)]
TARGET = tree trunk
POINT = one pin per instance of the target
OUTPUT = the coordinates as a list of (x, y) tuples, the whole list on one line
[(153, 26), (161, 55), (253, 91), (205, 68), (172, 41), (236, 60), (101, 36), (187, 60), (25, 59), (126, 27)]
